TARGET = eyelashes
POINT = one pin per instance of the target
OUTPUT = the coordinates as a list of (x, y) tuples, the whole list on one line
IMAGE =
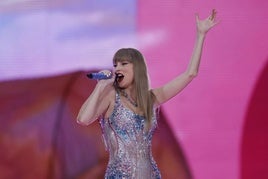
[(121, 63)]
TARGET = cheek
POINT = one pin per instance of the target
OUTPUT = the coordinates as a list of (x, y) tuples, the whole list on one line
[(132, 72), (131, 76)]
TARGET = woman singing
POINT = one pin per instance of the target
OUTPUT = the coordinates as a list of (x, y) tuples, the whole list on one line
[(126, 108)]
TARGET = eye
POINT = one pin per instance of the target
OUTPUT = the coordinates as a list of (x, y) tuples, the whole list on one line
[(115, 65), (124, 63)]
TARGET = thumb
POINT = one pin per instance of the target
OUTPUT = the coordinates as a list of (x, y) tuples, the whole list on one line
[(197, 17)]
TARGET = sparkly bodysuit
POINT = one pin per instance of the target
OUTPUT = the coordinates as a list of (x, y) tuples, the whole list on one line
[(129, 145)]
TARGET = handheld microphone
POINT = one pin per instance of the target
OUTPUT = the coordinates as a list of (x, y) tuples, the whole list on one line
[(99, 76)]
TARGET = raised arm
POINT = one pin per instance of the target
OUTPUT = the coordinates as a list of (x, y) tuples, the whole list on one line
[(97, 103), (176, 85)]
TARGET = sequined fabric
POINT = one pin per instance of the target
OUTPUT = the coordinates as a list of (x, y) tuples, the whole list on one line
[(129, 145)]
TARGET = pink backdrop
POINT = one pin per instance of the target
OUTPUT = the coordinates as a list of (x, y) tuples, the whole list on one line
[(220, 120), (210, 117)]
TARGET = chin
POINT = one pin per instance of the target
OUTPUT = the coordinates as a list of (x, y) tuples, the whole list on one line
[(122, 86)]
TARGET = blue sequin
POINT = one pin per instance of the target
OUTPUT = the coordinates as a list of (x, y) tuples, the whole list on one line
[(129, 145)]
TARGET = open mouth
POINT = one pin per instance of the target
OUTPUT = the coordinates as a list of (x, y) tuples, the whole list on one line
[(119, 77)]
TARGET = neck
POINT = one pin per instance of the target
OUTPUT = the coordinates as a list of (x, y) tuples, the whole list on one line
[(130, 92), (127, 94)]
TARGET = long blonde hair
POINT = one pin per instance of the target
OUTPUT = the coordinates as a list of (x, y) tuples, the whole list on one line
[(145, 97)]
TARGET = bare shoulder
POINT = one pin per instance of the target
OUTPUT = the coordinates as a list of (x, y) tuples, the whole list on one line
[(157, 93), (110, 97), (110, 93)]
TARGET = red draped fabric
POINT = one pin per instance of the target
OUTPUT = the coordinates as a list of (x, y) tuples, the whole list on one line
[(39, 136)]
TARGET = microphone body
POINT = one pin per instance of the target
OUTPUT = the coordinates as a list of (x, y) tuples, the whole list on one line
[(99, 76)]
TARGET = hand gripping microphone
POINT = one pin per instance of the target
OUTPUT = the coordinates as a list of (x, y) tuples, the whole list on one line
[(100, 76)]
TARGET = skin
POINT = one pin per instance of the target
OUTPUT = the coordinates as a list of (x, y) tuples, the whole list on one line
[(102, 99)]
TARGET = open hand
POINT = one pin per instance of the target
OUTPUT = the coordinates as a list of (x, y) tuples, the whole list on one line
[(203, 26)]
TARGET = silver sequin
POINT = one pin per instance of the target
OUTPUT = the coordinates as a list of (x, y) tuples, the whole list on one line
[(129, 145)]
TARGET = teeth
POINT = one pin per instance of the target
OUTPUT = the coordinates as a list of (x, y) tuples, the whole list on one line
[(119, 77)]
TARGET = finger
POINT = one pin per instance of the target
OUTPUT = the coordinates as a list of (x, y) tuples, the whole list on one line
[(216, 22), (213, 14), (197, 17)]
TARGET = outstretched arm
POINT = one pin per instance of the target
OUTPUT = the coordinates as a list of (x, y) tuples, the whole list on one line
[(173, 87)]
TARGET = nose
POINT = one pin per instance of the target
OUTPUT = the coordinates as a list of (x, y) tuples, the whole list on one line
[(115, 70)]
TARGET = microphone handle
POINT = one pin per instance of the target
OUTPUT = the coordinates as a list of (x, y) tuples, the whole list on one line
[(99, 76)]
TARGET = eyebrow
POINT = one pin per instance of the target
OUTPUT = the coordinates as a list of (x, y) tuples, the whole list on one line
[(122, 61)]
